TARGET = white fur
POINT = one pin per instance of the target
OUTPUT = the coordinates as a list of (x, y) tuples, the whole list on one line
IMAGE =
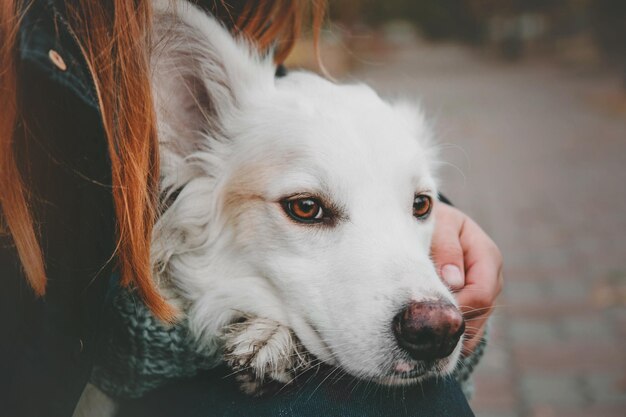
[(263, 351), (235, 141)]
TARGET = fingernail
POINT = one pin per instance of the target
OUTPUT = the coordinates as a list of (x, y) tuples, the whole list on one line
[(451, 275)]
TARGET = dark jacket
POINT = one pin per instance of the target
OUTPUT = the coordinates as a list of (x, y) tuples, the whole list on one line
[(48, 345)]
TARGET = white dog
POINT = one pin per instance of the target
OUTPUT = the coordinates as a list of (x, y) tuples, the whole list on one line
[(298, 217)]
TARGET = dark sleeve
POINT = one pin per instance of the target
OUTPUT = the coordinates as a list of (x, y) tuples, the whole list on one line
[(444, 199), (214, 393), (47, 344)]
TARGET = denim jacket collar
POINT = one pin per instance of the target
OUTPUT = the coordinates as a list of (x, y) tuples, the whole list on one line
[(45, 35)]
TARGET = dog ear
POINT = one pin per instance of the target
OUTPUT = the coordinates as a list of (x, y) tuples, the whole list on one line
[(200, 73)]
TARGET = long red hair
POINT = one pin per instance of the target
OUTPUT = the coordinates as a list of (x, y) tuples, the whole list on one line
[(113, 37)]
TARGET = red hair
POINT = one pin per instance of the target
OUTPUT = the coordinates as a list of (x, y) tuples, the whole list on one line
[(113, 38)]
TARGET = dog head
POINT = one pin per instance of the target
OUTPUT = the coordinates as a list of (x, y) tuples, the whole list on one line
[(299, 200)]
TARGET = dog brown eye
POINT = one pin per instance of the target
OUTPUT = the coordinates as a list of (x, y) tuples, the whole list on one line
[(305, 210), (421, 206)]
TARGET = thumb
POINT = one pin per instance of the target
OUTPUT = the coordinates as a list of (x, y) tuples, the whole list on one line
[(446, 249)]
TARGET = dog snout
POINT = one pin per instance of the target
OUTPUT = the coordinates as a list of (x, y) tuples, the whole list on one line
[(428, 330)]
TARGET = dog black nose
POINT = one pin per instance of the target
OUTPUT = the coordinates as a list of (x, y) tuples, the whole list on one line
[(428, 330)]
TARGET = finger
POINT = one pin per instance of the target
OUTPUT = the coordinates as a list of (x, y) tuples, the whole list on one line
[(446, 248), (483, 271)]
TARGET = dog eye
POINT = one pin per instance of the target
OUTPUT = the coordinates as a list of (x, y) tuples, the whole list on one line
[(305, 210), (421, 206)]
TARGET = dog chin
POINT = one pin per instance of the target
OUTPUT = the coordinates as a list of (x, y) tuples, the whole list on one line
[(414, 372), (407, 371)]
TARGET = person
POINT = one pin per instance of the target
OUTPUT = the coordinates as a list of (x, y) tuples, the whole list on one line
[(78, 181)]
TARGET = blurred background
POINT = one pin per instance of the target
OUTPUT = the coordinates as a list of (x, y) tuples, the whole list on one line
[(528, 99)]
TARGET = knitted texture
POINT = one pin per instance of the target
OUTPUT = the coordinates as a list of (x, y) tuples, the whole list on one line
[(140, 353)]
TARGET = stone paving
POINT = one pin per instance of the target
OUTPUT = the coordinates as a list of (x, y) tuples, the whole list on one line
[(537, 155)]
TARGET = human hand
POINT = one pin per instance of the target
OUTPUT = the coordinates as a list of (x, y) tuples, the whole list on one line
[(470, 263)]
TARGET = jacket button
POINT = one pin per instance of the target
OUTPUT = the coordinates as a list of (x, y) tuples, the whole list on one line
[(78, 348), (57, 60)]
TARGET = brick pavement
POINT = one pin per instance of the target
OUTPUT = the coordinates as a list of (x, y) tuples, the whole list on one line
[(537, 155)]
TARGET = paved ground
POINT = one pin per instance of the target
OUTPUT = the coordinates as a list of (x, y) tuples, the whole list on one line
[(538, 157)]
